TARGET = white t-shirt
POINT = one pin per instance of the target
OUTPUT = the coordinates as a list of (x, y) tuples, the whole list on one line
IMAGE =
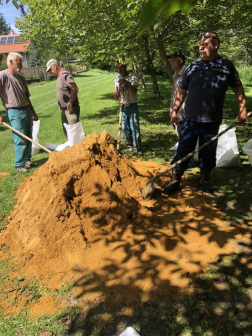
[(129, 97)]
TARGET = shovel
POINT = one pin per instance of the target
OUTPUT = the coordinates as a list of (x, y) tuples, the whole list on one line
[(149, 187), (120, 120), (26, 137)]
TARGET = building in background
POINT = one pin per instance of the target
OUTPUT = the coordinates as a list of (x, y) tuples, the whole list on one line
[(12, 43)]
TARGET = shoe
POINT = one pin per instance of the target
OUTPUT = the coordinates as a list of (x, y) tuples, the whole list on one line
[(21, 169), (172, 187), (29, 164), (130, 149), (204, 184), (139, 153)]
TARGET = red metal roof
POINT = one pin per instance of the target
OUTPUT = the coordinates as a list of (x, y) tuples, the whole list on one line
[(13, 47)]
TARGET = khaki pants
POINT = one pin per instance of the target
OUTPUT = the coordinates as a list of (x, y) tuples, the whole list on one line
[(70, 118)]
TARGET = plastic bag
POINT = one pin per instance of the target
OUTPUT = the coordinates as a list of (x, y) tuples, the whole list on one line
[(75, 133), (56, 147), (35, 130), (247, 149), (227, 154), (129, 332)]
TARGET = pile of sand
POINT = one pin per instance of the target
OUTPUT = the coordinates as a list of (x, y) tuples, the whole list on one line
[(83, 212)]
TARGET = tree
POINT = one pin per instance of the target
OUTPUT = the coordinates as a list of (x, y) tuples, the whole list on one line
[(4, 27)]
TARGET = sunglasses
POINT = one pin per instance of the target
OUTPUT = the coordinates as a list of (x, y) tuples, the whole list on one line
[(206, 35)]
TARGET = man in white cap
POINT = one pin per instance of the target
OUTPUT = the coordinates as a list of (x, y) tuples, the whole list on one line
[(15, 97), (66, 90)]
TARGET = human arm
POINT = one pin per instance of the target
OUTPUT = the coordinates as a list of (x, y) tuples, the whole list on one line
[(73, 96), (180, 97), (132, 88), (35, 116), (116, 93), (1, 120), (241, 100)]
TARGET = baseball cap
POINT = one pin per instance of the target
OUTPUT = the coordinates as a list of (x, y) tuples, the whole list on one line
[(177, 54), (119, 64), (50, 63)]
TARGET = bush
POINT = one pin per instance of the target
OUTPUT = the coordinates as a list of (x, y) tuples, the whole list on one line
[(42, 76), (3, 64), (245, 75), (34, 61)]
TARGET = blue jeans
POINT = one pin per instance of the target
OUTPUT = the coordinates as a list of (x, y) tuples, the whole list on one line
[(21, 120), (130, 126), (188, 136)]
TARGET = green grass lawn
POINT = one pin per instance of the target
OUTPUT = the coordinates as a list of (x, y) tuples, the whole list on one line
[(195, 314)]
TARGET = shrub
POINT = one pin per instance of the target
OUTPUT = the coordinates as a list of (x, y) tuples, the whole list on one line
[(3, 64), (245, 75), (42, 76)]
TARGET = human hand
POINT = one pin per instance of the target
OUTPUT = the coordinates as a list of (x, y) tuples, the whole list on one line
[(173, 120), (242, 116), (69, 107), (35, 117), (1, 120), (123, 81)]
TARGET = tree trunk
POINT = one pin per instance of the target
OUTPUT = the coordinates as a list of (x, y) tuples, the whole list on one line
[(134, 68), (151, 68), (140, 73), (164, 58)]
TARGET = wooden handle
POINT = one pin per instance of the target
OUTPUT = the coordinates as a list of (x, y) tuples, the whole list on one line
[(26, 137), (197, 150), (120, 120)]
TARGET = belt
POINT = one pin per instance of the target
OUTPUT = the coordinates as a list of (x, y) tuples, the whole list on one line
[(17, 108)]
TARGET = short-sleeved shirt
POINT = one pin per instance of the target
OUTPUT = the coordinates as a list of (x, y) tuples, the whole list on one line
[(128, 97), (13, 90), (63, 90), (207, 83), (175, 83)]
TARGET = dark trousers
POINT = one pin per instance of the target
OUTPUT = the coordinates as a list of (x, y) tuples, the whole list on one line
[(192, 131)]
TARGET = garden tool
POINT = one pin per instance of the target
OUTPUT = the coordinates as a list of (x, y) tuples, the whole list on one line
[(120, 118), (149, 187), (26, 137)]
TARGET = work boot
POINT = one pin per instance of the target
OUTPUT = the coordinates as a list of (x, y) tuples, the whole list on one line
[(21, 169), (204, 182), (29, 164), (174, 185)]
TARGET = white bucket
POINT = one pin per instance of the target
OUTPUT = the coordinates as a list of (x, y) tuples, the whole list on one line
[(247, 149)]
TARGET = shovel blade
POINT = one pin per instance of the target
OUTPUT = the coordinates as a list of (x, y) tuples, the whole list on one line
[(148, 190)]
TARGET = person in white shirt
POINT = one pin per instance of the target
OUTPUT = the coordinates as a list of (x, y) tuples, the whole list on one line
[(130, 113)]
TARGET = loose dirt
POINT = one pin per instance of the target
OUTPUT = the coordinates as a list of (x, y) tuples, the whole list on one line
[(82, 215)]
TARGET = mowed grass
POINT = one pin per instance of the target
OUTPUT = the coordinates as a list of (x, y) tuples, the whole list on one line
[(224, 311)]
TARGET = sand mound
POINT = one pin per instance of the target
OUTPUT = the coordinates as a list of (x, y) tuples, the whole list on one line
[(83, 212)]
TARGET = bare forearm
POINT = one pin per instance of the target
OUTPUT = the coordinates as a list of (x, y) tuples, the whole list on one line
[(241, 100), (180, 97)]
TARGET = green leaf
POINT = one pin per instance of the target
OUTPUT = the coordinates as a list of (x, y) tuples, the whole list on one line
[(15, 3), (150, 13), (158, 23)]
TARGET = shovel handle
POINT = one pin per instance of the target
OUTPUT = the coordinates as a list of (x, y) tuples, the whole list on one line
[(26, 137), (120, 120), (196, 150)]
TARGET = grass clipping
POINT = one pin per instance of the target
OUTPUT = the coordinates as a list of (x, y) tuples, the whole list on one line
[(83, 212)]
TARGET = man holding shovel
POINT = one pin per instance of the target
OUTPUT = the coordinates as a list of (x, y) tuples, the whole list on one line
[(15, 97), (130, 113), (205, 83), (67, 92)]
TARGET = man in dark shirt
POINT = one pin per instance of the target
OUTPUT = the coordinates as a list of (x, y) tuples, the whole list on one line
[(66, 94), (205, 83)]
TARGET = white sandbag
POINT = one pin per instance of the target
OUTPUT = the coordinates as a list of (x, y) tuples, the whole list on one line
[(35, 130), (129, 332), (56, 147), (175, 147), (247, 149), (227, 154), (75, 133)]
